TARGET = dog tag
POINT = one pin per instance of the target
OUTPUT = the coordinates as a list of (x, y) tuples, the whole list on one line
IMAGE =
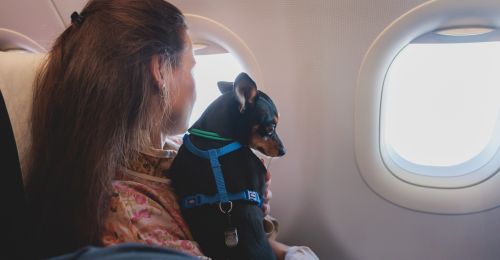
[(231, 235)]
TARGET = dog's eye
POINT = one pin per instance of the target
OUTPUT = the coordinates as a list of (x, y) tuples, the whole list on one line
[(270, 130)]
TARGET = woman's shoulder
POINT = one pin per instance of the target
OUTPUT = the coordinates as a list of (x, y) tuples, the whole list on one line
[(152, 164), (173, 142)]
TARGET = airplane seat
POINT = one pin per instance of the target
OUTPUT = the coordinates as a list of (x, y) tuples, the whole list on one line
[(19, 60), (18, 66)]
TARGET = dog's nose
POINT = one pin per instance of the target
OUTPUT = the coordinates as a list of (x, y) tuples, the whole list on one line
[(282, 152)]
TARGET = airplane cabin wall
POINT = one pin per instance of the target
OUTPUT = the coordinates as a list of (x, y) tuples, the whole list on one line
[(309, 53)]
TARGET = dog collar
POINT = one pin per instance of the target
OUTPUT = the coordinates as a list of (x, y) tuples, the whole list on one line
[(222, 195), (207, 134)]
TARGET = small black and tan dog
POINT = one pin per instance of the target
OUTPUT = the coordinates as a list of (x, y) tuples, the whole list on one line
[(219, 180)]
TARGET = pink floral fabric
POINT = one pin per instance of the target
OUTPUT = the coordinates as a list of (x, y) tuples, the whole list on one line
[(144, 207)]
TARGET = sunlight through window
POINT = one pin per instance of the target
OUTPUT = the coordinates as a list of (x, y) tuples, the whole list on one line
[(208, 71), (441, 103)]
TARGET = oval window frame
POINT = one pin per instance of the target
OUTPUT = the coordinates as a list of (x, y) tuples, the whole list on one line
[(449, 195), (205, 31), (468, 173)]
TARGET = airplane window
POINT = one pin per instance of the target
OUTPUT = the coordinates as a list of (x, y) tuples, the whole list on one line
[(220, 56), (211, 68), (440, 102), (427, 116)]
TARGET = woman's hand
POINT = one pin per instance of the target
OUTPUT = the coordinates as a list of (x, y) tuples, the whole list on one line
[(266, 207), (279, 249)]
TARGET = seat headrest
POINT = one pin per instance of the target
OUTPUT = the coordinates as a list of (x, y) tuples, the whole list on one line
[(12, 40), (20, 57), (17, 73)]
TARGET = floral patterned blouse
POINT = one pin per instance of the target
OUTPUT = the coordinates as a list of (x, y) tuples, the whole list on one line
[(144, 207)]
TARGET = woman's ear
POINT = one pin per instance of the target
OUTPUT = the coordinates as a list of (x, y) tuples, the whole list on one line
[(155, 68)]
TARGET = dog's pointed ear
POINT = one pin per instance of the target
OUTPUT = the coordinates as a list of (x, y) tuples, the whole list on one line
[(225, 87), (246, 91)]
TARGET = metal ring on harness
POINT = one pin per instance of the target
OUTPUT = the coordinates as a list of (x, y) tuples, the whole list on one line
[(229, 209)]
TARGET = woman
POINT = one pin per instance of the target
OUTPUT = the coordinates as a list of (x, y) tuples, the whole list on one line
[(117, 82)]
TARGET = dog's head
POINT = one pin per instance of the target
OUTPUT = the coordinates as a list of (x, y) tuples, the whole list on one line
[(260, 115)]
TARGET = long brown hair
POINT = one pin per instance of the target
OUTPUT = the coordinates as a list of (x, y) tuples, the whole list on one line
[(95, 103)]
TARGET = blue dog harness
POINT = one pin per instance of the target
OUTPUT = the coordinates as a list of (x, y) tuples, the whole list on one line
[(222, 195)]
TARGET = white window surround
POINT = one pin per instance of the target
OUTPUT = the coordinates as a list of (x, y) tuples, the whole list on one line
[(206, 31), (211, 37), (473, 192)]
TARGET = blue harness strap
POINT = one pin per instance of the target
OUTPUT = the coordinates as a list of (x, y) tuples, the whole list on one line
[(200, 199), (222, 195)]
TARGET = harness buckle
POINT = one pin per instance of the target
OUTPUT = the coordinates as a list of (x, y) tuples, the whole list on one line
[(193, 201), (253, 196)]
